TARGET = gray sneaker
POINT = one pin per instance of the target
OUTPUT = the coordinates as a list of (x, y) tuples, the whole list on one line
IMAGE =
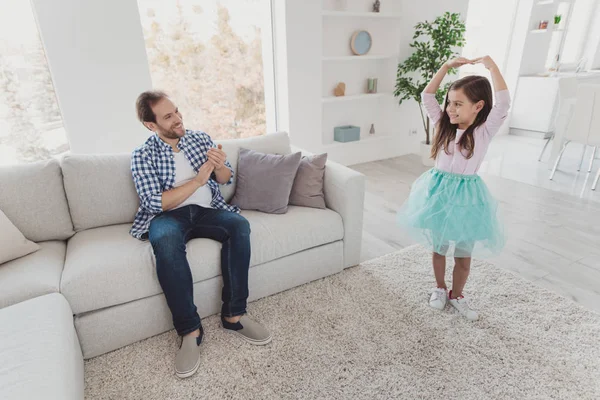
[(249, 330), (188, 356)]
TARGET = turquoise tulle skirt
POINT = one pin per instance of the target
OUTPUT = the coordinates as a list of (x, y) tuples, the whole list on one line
[(453, 215)]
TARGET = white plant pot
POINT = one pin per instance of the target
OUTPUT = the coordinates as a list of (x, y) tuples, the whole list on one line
[(426, 155)]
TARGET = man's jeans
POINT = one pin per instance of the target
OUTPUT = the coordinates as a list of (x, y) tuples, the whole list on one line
[(171, 230)]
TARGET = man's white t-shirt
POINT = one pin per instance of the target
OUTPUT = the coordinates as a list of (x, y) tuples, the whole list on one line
[(185, 173)]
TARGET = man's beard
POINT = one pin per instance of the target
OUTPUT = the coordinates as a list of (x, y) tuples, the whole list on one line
[(170, 134)]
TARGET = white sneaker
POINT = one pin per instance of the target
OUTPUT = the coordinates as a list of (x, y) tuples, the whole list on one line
[(439, 298), (461, 304)]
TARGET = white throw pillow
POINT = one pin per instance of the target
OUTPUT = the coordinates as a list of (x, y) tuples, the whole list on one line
[(12, 242)]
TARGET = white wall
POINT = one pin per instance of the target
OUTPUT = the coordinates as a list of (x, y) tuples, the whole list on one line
[(298, 43), (592, 48), (407, 115), (97, 59), (490, 28)]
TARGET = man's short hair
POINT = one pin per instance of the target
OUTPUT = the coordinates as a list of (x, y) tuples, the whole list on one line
[(145, 102)]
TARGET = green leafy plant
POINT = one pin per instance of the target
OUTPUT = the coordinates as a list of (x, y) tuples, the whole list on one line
[(557, 19), (434, 43)]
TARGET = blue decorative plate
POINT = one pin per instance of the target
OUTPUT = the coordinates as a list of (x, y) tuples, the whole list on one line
[(361, 42)]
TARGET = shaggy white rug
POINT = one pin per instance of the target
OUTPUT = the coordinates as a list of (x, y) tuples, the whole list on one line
[(368, 333)]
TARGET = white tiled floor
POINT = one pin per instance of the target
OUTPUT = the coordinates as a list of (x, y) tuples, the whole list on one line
[(516, 158)]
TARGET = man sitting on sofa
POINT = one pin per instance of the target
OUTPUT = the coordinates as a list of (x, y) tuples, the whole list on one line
[(177, 173)]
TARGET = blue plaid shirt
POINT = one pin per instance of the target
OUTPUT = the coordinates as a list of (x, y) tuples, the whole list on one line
[(153, 170)]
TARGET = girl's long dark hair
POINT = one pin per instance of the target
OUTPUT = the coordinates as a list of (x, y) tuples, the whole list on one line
[(476, 88)]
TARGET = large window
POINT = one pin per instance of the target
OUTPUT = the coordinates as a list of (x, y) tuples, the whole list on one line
[(31, 127), (213, 57)]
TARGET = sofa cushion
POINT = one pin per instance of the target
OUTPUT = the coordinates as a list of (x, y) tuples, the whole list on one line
[(40, 352), (33, 198), (106, 266), (34, 275), (100, 189)]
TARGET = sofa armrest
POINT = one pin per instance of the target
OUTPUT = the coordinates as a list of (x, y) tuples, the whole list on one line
[(345, 194)]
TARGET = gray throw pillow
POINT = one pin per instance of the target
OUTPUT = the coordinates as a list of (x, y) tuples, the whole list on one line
[(307, 190), (264, 181)]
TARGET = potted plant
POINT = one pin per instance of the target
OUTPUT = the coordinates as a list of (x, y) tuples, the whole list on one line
[(434, 43), (557, 19)]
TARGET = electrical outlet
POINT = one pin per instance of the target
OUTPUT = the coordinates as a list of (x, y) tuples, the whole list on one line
[(412, 132)]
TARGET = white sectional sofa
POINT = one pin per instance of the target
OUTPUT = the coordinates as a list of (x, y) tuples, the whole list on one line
[(92, 277)]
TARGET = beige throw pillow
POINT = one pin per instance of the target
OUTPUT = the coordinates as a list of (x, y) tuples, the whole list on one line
[(12, 242), (307, 190)]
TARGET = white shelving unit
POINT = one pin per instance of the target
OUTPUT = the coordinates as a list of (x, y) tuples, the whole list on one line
[(350, 14), (364, 96), (357, 107), (369, 139), (536, 88), (536, 42), (360, 58)]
